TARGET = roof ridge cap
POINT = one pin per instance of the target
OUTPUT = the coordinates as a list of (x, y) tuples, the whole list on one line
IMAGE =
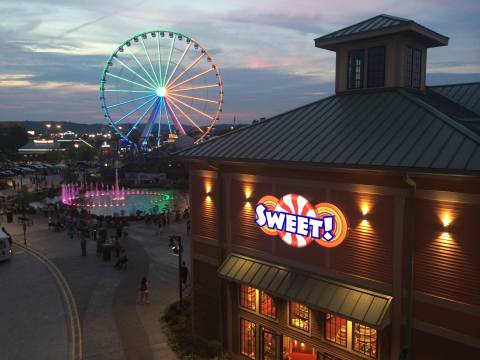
[(444, 117)]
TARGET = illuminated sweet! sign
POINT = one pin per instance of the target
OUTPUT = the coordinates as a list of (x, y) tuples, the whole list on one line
[(298, 223)]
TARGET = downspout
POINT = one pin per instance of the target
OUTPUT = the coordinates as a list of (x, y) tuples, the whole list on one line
[(406, 353)]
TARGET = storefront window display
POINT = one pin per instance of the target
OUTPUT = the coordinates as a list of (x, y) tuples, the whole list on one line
[(336, 329), (269, 348), (267, 305), (247, 338), (299, 316), (365, 340), (248, 297)]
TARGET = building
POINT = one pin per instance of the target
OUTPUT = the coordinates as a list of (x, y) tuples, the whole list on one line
[(37, 148), (346, 228)]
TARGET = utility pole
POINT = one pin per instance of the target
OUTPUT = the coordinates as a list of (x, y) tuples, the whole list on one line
[(23, 219)]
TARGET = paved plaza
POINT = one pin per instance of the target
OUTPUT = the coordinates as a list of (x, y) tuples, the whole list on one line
[(114, 326)]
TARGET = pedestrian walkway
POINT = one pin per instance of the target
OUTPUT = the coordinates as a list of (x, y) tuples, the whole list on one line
[(114, 325)]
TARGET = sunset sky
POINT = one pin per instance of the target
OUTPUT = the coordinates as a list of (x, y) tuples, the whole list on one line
[(52, 52)]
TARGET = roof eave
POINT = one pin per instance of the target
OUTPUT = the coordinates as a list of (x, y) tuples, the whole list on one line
[(339, 167), (429, 37)]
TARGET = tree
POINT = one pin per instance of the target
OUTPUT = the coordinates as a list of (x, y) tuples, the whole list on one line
[(82, 153), (54, 156), (3, 158), (12, 137)]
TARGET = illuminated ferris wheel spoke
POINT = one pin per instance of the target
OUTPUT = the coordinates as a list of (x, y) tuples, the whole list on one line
[(128, 91), (175, 99), (186, 69), (195, 98), (178, 63), (149, 125), (139, 64), (168, 119), (140, 119), (159, 58), (174, 116), (130, 101), (149, 61), (173, 86), (159, 130), (132, 111), (194, 88), (134, 72), (130, 81), (169, 59), (186, 116)]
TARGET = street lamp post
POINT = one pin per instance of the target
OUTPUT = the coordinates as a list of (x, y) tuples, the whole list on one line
[(177, 250)]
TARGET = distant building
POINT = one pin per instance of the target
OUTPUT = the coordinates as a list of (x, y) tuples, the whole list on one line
[(38, 148), (389, 169)]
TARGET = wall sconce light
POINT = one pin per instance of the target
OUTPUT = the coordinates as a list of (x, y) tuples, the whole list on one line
[(446, 220), (208, 193), (248, 199)]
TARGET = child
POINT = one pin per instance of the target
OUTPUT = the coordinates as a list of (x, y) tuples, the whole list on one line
[(144, 291)]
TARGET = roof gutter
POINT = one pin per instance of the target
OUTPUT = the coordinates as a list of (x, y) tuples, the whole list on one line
[(406, 353)]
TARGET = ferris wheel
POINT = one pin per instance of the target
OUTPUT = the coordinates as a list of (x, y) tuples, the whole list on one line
[(159, 85)]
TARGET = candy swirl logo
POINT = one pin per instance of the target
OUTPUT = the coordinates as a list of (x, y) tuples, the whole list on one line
[(298, 223)]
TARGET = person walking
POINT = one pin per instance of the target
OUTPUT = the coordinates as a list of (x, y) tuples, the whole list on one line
[(83, 245), (184, 273), (144, 291)]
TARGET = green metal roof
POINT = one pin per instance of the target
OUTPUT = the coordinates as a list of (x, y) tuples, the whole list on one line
[(466, 95), (360, 305), (384, 23), (384, 129)]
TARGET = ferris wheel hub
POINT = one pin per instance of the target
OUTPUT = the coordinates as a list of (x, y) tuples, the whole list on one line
[(161, 91)]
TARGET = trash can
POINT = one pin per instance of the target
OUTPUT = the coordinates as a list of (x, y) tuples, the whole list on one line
[(107, 252), (9, 217)]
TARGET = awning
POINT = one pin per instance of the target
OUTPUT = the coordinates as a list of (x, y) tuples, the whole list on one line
[(356, 304)]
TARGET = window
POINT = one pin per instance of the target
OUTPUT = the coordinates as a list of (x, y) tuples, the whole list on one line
[(248, 297), (247, 338), (299, 316), (365, 340), (336, 329), (269, 350), (297, 350), (413, 67), (355, 69), (376, 67), (267, 305)]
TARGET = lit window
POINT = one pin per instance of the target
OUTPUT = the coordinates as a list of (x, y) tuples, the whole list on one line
[(299, 316), (247, 338), (365, 340), (355, 69), (336, 329), (248, 297), (269, 351), (267, 305)]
